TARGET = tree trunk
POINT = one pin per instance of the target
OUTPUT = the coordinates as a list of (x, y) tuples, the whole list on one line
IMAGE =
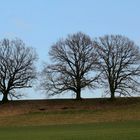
[(112, 90), (78, 94), (5, 98), (112, 95)]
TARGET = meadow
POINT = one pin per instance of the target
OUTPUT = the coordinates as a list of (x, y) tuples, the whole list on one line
[(99, 131), (97, 119)]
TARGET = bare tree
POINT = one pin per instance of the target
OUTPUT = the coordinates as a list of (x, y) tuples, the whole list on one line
[(73, 69), (119, 64), (16, 67)]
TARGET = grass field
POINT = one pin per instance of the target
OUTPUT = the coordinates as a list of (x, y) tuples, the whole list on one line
[(96, 131), (97, 119)]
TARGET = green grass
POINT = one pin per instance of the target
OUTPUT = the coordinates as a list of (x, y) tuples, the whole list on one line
[(129, 130)]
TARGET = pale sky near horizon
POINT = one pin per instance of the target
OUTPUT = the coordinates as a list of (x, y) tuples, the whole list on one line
[(40, 23)]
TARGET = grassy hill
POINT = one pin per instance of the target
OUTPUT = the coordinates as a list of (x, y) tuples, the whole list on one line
[(52, 112), (89, 119)]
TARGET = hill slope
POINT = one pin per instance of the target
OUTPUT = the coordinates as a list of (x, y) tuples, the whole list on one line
[(50, 112)]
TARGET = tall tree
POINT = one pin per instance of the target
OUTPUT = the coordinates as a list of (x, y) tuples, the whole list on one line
[(73, 69), (119, 64), (17, 68)]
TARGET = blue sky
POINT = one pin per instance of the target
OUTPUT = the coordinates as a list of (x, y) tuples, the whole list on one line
[(40, 23)]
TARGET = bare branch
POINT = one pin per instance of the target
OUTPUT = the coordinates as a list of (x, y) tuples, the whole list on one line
[(74, 66), (119, 64), (17, 68)]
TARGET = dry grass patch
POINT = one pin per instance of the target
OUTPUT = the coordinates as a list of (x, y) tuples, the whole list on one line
[(50, 112)]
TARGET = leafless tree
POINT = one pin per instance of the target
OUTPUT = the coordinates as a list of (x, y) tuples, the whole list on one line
[(119, 64), (17, 68), (73, 69)]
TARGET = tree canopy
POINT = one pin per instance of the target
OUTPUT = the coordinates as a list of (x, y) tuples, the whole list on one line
[(17, 69), (73, 69), (119, 64)]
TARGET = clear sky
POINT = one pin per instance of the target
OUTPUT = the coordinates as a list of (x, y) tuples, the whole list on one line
[(40, 23)]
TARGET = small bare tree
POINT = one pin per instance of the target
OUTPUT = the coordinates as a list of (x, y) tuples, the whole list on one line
[(119, 64), (73, 69), (16, 67)]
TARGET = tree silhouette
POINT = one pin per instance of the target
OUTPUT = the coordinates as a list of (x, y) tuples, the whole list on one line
[(119, 64), (74, 65), (16, 67)]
